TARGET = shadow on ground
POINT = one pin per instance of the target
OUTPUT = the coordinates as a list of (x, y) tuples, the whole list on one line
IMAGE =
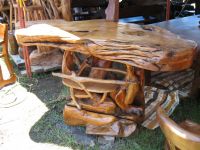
[(51, 128)]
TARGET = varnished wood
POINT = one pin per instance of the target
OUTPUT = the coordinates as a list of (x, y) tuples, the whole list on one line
[(126, 43), (120, 128), (66, 9), (91, 93), (98, 86), (183, 137), (107, 107), (91, 50), (4, 54), (76, 117)]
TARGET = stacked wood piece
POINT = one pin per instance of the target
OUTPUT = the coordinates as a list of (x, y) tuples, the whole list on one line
[(103, 96)]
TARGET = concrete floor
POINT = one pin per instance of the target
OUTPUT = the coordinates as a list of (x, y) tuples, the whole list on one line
[(19, 111)]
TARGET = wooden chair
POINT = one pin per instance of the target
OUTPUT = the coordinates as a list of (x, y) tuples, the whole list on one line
[(185, 136), (5, 56), (32, 13)]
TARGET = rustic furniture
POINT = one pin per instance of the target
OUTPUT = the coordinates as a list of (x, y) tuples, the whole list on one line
[(4, 54), (104, 65), (185, 136)]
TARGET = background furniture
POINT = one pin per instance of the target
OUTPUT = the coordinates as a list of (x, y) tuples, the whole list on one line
[(32, 12), (185, 136), (187, 28), (5, 56)]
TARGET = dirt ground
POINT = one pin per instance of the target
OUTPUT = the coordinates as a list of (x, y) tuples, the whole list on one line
[(31, 118)]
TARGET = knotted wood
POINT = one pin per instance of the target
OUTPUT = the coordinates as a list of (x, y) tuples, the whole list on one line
[(147, 47)]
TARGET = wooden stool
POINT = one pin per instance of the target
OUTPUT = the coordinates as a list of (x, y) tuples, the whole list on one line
[(4, 54), (185, 136)]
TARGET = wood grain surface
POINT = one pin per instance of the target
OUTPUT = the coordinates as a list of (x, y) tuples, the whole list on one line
[(146, 47)]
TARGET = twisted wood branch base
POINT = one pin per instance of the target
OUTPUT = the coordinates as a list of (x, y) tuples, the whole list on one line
[(106, 97)]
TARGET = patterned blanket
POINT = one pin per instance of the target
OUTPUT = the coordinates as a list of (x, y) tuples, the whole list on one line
[(165, 91)]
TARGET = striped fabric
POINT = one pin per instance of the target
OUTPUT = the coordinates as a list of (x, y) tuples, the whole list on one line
[(171, 81), (165, 92), (155, 97)]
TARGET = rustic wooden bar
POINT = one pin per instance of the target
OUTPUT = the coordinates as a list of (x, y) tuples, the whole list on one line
[(103, 66)]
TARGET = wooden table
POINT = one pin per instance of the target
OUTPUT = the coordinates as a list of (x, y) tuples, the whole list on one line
[(187, 28), (106, 82), (151, 48)]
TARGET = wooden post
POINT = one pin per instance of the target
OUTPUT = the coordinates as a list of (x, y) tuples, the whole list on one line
[(66, 10), (112, 11), (25, 49), (11, 15), (168, 10)]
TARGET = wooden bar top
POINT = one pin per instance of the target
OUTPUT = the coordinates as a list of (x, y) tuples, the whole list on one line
[(147, 47)]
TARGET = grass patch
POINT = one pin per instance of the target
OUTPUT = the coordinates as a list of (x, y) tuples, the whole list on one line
[(47, 130), (51, 128)]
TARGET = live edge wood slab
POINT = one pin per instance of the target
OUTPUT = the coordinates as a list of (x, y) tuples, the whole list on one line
[(103, 66), (147, 47)]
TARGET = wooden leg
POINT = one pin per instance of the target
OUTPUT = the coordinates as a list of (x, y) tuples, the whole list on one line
[(28, 16), (12, 78), (16, 15), (9, 65), (11, 17), (9, 81), (7, 61), (1, 75)]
